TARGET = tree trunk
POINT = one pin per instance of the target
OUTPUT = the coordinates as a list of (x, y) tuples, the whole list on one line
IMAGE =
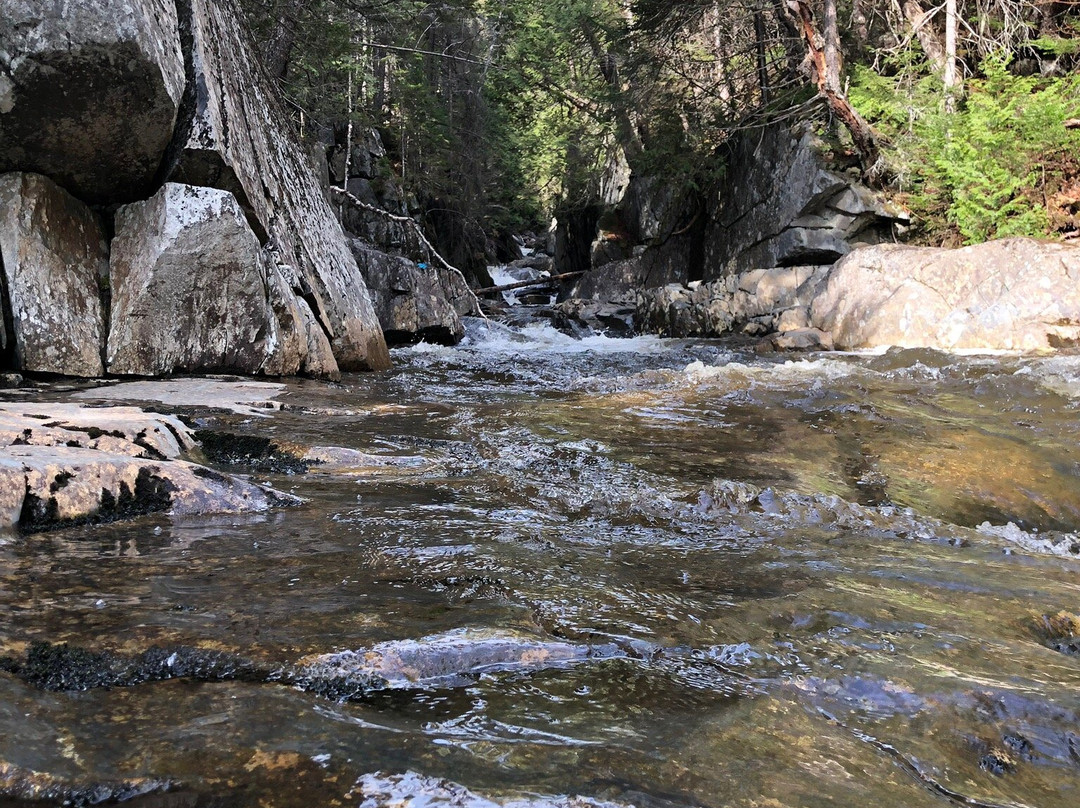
[(279, 46), (859, 24), (922, 27), (608, 63), (832, 48), (952, 84), (762, 64), (861, 134)]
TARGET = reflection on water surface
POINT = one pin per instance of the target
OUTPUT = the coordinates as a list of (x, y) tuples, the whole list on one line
[(825, 629)]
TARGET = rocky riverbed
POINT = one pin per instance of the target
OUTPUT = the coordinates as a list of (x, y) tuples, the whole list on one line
[(533, 570)]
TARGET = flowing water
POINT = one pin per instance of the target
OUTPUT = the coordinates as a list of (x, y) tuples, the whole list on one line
[(724, 579)]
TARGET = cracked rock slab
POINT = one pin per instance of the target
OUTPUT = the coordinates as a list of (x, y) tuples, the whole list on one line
[(65, 464), (189, 253), (65, 486), (241, 140)]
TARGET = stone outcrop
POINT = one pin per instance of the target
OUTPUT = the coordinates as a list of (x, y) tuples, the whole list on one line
[(62, 464), (1013, 294), (89, 93), (780, 204), (757, 302), (241, 140), (53, 255), (188, 252), (415, 303)]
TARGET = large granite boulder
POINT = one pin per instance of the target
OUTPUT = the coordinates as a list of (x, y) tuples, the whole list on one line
[(780, 204), (192, 290), (1013, 294), (89, 92), (241, 140), (415, 303), (53, 255)]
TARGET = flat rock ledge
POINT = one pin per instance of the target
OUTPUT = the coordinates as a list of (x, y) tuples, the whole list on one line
[(64, 464)]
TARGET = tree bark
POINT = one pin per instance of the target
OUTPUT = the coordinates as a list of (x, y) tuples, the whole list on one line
[(862, 135), (832, 48), (762, 64), (922, 27), (951, 80), (279, 46)]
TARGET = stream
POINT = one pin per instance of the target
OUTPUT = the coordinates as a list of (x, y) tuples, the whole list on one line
[(588, 573)]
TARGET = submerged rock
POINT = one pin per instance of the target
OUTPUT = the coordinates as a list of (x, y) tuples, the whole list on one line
[(241, 140), (90, 92), (52, 259), (1013, 294), (41, 788), (453, 659), (444, 660), (189, 251)]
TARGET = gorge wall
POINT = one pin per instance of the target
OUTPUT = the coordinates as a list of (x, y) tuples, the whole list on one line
[(157, 212)]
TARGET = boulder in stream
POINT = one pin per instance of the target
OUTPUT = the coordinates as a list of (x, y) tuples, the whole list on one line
[(52, 259), (63, 464), (90, 92), (188, 252), (1012, 294), (414, 303)]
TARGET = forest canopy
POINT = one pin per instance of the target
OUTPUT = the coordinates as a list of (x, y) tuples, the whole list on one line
[(498, 112)]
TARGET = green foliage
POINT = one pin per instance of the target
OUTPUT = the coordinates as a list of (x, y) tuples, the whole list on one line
[(983, 169)]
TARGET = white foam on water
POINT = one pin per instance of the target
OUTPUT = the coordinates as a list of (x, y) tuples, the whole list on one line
[(790, 373), (491, 338), (502, 275), (1059, 374)]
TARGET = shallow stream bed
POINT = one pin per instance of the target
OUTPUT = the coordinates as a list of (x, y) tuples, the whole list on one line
[(642, 572)]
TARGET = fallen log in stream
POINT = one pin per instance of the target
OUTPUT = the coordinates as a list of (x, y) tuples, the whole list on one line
[(538, 282)]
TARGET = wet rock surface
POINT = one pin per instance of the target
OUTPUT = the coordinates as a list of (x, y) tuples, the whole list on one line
[(53, 259), (648, 572), (64, 465), (412, 790)]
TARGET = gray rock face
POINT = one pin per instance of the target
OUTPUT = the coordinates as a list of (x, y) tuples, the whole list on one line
[(757, 302), (192, 290), (1014, 294), (415, 304), (52, 251), (89, 92), (241, 140), (780, 206), (619, 281)]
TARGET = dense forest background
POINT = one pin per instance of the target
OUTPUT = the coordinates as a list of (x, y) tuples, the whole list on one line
[(497, 114)]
